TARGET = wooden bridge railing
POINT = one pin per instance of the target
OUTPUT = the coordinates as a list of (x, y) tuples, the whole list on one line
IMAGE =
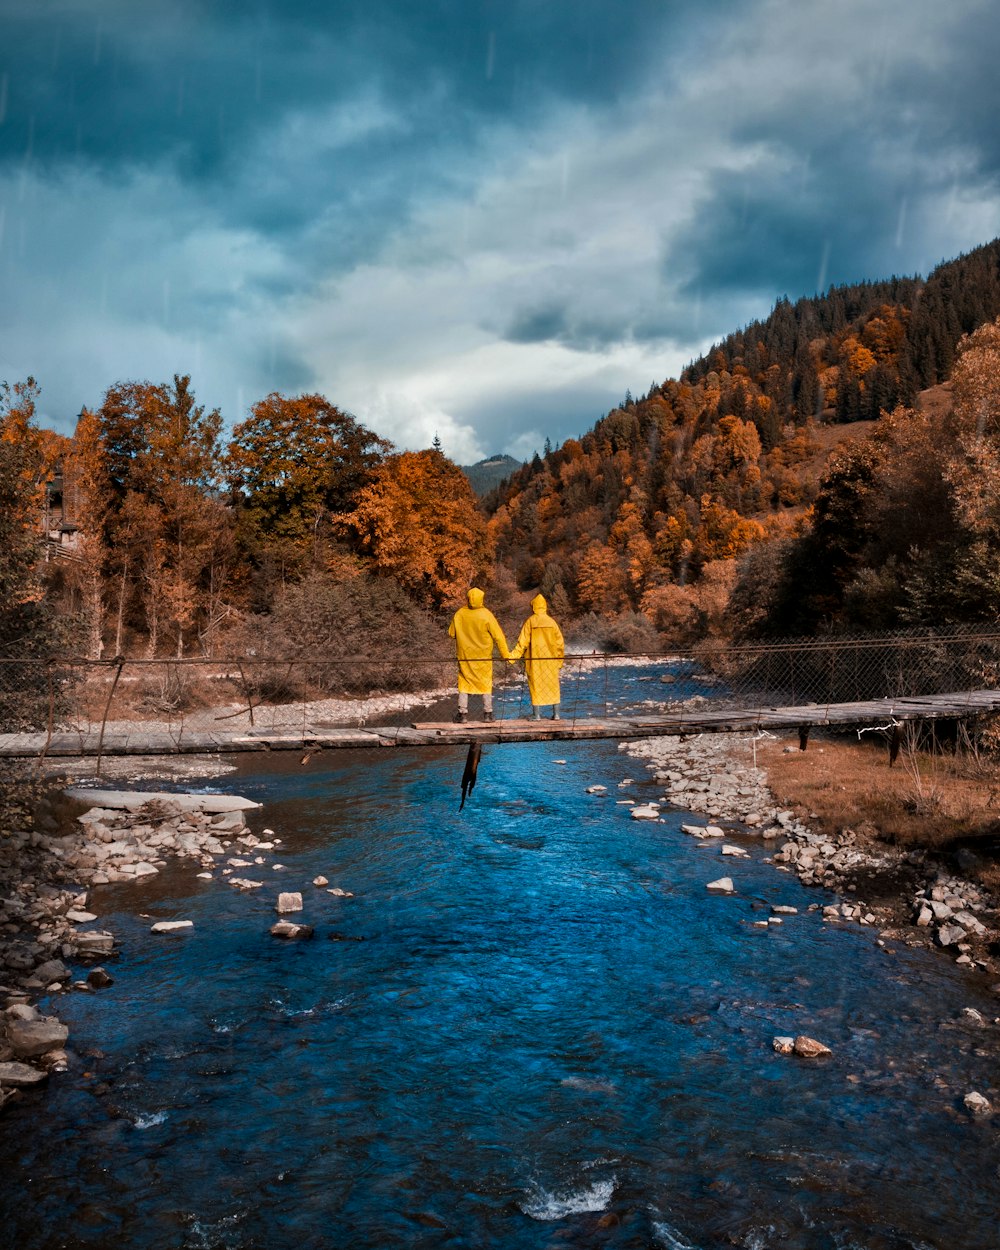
[(191, 697)]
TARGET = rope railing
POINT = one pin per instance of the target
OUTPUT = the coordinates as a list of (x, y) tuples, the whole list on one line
[(185, 696)]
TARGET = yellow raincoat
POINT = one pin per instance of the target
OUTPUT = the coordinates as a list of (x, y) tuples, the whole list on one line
[(541, 643), (475, 630)]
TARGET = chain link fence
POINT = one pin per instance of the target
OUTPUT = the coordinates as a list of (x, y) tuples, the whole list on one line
[(851, 669), (186, 698)]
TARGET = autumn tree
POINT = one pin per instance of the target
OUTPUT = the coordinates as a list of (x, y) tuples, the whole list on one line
[(418, 521), (22, 615), (165, 526), (292, 465), (601, 585), (85, 480)]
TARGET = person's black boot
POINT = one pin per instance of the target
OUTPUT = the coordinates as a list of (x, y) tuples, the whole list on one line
[(487, 716), (461, 718)]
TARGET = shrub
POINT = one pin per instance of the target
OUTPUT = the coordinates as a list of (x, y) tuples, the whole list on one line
[(346, 636)]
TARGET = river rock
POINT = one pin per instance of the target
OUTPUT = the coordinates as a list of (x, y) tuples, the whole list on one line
[(229, 822), (320, 881), (28, 1038), (292, 931), (292, 901), (337, 892), (80, 917), (243, 883), (597, 789), (977, 1104), (645, 811), (52, 970), (950, 934), (95, 943), (20, 1075), (98, 979), (782, 909), (738, 851), (809, 1048), (724, 885), (783, 1045), (171, 926)]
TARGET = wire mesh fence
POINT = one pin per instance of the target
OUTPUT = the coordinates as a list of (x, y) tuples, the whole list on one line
[(850, 669), (183, 698)]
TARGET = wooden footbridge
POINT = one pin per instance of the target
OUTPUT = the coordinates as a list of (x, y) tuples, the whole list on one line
[(139, 708)]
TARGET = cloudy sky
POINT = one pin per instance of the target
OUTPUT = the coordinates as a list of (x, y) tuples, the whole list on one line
[(481, 218)]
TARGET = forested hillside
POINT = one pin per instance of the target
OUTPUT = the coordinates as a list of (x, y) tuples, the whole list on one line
[(797, 478), (651, 510)]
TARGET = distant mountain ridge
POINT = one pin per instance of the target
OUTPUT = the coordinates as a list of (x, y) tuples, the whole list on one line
[(486, 475)]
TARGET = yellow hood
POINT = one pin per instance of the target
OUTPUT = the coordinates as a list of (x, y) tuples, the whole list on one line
[(538, 604), (476, 597)]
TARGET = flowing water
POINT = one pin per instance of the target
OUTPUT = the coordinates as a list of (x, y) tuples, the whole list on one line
[(531, 1027)]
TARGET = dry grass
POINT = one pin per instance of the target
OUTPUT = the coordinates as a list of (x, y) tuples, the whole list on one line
[(927, 799)]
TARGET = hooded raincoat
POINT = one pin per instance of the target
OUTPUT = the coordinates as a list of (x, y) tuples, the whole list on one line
[(475, 630), (541, 643)]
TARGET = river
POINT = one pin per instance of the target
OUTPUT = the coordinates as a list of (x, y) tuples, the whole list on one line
[(531, 1027)]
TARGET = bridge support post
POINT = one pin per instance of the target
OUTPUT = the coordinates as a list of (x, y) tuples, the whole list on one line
[(803, 737)]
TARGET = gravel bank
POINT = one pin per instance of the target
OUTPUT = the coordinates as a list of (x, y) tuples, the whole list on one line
[(914, 897)]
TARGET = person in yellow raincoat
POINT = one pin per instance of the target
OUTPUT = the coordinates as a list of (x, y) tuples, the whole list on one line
[(541, 643), (475, 630)]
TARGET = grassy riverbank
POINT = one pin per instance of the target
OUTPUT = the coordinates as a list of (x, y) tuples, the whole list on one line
[(932, 800)]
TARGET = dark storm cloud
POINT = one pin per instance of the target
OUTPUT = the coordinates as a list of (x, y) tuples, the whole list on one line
[(465, 216), (116, 83), (856, 173)]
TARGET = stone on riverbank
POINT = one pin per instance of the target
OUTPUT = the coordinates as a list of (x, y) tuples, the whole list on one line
[(724, 885), (977, 1104), (96, 942), (98, 979), (30, 1038), (171, 926), (20, 1075), (809, 1048), (289, 902), (646, 811), (290, 930), (52, 970)]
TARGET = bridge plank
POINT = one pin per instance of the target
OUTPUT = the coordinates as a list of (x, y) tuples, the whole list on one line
[(323, 735)]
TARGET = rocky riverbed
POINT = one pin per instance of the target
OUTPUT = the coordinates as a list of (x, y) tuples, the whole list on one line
[(45, 900), (914, 897), (46, 879)]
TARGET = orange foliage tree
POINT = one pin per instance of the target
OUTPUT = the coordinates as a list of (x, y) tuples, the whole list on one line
[(418, 521), (292, 464)]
